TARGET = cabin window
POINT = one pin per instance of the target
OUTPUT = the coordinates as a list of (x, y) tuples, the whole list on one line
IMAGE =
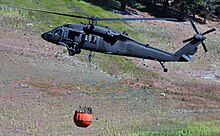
[(84, 37), (93, 39)]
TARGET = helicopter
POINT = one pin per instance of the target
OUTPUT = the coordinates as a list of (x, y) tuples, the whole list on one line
[(93, 37)]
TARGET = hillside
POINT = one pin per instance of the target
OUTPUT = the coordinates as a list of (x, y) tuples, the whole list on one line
[(41, 86)]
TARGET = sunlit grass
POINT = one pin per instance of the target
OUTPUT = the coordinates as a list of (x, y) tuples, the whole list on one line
[(191, 128), (45, 21)]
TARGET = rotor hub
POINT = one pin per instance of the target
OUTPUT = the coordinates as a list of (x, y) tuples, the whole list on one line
[(199, 37)]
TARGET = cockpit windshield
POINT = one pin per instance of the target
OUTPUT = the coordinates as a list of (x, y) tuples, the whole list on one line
[(57, 31)]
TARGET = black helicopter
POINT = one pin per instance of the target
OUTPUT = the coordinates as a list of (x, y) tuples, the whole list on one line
[(97, 38)]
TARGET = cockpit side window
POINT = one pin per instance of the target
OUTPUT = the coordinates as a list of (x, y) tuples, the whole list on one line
[(58, 32)]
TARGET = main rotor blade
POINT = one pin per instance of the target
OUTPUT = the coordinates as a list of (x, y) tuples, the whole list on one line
[(92, 18), (204, 47), (187, 40), (132, 19), (209, 31), (51, 12), (80, 11), (194, 27)]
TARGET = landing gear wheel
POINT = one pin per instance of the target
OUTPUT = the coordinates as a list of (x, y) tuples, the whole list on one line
[(71, 51), (165, 70)]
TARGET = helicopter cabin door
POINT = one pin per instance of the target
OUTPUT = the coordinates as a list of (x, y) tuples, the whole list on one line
[(72, 36), (90, 41)]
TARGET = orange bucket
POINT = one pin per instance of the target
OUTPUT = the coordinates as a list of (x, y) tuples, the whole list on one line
[(83, 117)]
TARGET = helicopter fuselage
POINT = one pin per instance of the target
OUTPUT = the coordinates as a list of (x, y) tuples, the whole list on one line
[(105, 40)]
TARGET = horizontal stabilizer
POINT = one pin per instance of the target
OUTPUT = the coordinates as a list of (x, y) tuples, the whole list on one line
[(187, 58), (108, 52)]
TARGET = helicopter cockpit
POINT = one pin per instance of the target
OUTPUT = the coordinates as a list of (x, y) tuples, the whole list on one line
[(58, 31), (54, 35)]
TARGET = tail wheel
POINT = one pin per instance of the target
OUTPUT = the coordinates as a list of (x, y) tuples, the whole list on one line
[(165, 70)]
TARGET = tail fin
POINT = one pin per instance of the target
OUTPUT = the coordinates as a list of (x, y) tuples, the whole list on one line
[(190, 48)]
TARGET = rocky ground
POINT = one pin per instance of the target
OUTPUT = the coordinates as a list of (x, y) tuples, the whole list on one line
[(40, 88)]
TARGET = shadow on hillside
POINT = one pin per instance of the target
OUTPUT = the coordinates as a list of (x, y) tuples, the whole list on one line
[(157, 11), (153, 10)]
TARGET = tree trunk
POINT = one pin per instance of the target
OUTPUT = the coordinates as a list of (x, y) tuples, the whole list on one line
[(123, 5), (204, 19), (165, 5), (194, 14), (182, 12), (219, 14)]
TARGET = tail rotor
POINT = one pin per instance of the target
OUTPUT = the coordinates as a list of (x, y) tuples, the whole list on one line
[(197, 32)]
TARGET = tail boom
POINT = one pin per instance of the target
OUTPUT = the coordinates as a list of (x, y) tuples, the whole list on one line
[(190, 49)]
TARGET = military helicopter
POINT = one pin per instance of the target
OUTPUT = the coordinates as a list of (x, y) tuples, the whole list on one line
[(97, 38)]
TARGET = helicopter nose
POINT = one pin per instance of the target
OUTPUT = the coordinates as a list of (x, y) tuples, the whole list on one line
[(44, 36), (50, 37)]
